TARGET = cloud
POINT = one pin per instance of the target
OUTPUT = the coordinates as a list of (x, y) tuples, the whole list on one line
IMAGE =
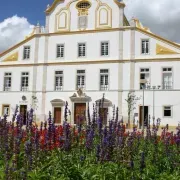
[(13, 30), (161, 16)]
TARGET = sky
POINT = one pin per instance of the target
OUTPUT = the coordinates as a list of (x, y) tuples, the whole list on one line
[(17, 18)]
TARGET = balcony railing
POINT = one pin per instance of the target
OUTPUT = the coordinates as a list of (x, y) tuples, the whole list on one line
[(24, 88), (7, 88), (59, 88), (167, 85), (80, 87), (104, 87)]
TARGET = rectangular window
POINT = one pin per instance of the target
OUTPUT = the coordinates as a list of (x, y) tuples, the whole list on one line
[(104, 79), (144, 77), (60, 51), (167, 78), (145, 47), (80, 79), (167, 111), (58, 80), (81, 50), (26, 52), (5, 110), (24, 81), (104, 49), (7, 81)]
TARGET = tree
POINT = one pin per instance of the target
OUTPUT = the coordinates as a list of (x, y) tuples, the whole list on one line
[(131, 101)]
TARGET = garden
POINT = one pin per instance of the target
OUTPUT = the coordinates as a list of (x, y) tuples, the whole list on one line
[(90, 151)]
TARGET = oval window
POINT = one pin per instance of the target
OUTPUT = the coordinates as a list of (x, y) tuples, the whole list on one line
[(83, 5)]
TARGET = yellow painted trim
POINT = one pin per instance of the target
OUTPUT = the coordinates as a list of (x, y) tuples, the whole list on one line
[(33, 31), (126, 22), (91, 31), (158, 37), (65, 15), (52, 7), (83, 11), (12, 57), (120, 4), (97, 17), (17, 45), (2, 65), (161, 50)]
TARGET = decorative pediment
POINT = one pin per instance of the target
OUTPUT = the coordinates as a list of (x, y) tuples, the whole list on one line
[(58, 102), (12, 57), (80, 97), (161, 50), (106, 102)]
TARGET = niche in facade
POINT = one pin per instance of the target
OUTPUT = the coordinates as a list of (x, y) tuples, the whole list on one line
[(83, 7), (62, 20), (103, 16)]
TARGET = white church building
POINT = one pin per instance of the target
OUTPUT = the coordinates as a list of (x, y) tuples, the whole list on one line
[(87, 48)]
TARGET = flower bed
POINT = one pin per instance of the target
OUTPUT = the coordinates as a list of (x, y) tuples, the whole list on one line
[(89, 151)]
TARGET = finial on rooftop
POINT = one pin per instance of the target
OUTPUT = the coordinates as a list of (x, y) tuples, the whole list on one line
[(38, 23), (48, 6)]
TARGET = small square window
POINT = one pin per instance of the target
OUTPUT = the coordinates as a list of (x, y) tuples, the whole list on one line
[(167, 111)]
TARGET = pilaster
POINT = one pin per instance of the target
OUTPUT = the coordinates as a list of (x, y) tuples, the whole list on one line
[(47, 24), (34, 81), (120, 73), (44, 80)]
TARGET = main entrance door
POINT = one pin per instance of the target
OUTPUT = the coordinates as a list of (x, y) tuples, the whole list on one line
[(23, 112), (145, 116), (79, 113), (103, 114), (57, 115)]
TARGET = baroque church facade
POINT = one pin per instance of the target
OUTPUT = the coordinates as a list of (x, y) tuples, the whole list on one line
[(86, 49)]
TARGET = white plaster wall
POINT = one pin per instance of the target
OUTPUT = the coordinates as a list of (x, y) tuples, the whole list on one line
[(91, 14), (93, 45), (39, 78), (156, 72), (16, 77), (92, 76), (139, 36), (61, 5), (30, 43), (41, 49), (126, 44), (112, 96), (126, 76), (14, 98)]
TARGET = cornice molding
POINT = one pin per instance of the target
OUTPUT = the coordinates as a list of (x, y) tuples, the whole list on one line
[(2, 65), (91, 31), (159, 38), (52, 7)]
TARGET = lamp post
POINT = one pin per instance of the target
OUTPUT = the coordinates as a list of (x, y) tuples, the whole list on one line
[(154, 88), (143, 87)]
